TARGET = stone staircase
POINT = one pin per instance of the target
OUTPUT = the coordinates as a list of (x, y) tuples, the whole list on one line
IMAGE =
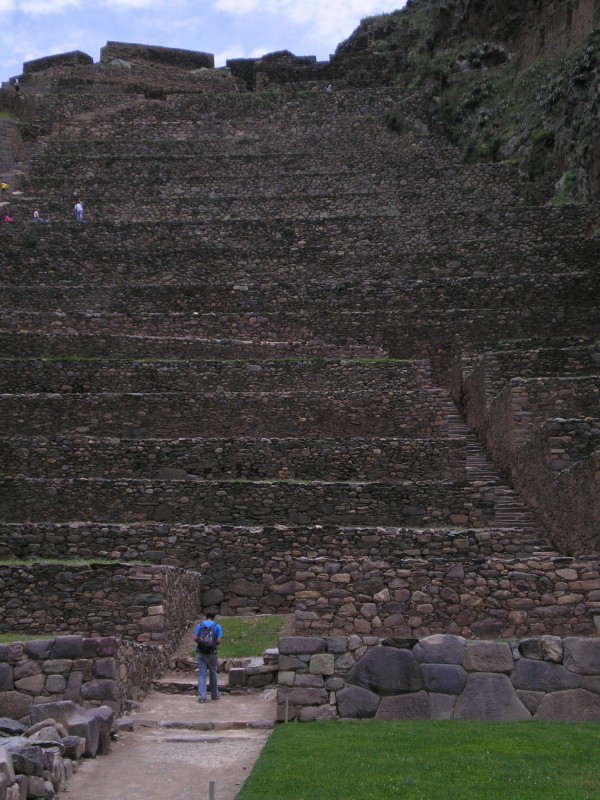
[(253, 330)]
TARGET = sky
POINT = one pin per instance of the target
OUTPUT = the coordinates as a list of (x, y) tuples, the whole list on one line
[(227, 28)]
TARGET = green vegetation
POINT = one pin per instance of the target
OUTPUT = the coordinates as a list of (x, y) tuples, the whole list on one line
[(65, 562), (249, 636), (427, 761), (395, 120), (568, 189), (7, 638)]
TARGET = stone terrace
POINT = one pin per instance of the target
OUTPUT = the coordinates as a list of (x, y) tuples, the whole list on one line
[(243, 361)]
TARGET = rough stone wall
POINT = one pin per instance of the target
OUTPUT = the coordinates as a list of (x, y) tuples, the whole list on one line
[(88, 671), (309, 459), (144, 604), (246, 502), (439, 677), (184, 59), (75, 58)]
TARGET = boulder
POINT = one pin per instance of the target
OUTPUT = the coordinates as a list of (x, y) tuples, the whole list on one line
[(488, 657), (444, 678), (582, 655), (14, 705), (531, 700), (92, 724), (387, 671), (408, 707), (354, 702), (441, 706), (26, 757), (10, 727), (490, 697), (574, 705), (6, 766), (39, 648), (301, 645), (440, 648), (542, 676), (6, 677), (74, 747)]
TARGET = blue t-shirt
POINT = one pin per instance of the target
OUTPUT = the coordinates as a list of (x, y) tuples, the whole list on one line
[(209, 624)]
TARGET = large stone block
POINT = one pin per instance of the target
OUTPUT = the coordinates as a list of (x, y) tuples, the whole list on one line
[(317, 713), (531, 700), (100, 689), (26, 757), (39, 648), (488, 657), (6, 765), (408, 707), (6, 677), (444, 678), (441, 706), (582, 655), (542, 676), (322, 664), (490, 697), (10, 727), (91, 724), (301, 645), (354, 702), (387, 671), (34, 685), (574, 705), (69, 647), (440, 649), (14, 705)]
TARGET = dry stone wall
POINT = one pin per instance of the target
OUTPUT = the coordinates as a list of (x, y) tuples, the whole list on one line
[(439, 677), (140, 603), (87, 671)]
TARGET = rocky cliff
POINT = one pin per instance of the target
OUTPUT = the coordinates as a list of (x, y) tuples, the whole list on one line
[(513, 80)]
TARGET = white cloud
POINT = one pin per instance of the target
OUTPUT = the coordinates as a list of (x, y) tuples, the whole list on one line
[(38, 7)]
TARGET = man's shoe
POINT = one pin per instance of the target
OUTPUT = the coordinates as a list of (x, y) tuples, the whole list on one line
[(200, 700)]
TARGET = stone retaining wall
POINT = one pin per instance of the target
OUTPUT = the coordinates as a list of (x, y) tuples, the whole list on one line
[(88, 671), (36, 375), (214, 459), (172, 56), (141, 603), (439, 677), (151, 416), (247, 502)]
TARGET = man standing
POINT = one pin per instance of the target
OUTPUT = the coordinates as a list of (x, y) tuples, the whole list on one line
[(78, 208), (208, 635)]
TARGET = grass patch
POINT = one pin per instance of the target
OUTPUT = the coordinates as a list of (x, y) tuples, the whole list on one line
[(427, 761), (67, 562), (248, 636), (7, 638)]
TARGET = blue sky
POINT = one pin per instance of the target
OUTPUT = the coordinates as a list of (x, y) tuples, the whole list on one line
[(228, 28)]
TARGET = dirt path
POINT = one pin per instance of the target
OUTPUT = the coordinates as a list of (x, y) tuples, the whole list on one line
[(177, 747)]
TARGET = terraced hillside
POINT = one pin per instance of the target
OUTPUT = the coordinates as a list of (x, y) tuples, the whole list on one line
[(245, 359)]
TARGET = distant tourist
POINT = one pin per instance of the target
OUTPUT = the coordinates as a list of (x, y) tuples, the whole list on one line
[(78, 208), (7, 218), (4, 187), (17, 87), (38, 218), (208, 635), (329, 88)]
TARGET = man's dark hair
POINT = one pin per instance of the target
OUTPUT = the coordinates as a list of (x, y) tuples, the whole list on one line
[(210, 615)]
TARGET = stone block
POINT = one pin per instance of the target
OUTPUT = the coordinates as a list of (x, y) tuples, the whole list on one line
[(6, 765), (444, 678), (336, 644), (301, 645), (11, 653), (55, 684), (582, 655), (531, 648), (531, 700), (92, 724), (237, 676), (25, 669), (573, 705), (68, 647), (322, 664), (387, 671), (26, 757), (14, 704), (57, 666), (345, 661), (542, 676), (73, 687), (284, 678), (36, 786), (39, 648), (6, 677), (354, 702), (212, 597), (33, 685), (246, 588), (552, 649), (591, 683), (323, 713), (73, 747), (408, 708), (488, 657), (307, 697), (311, 681), (490, 697), (440, 649), (289, 662), (10, 727), (441, 706), (105, 668), (100, 689)]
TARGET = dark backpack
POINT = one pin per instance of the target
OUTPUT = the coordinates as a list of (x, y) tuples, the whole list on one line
[(206, 640)]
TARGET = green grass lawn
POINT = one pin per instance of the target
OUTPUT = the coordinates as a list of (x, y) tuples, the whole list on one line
[(7, 638), (248, 636), (428, 761)]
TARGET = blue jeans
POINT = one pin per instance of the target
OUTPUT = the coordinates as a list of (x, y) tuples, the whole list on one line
[(207, 664)]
